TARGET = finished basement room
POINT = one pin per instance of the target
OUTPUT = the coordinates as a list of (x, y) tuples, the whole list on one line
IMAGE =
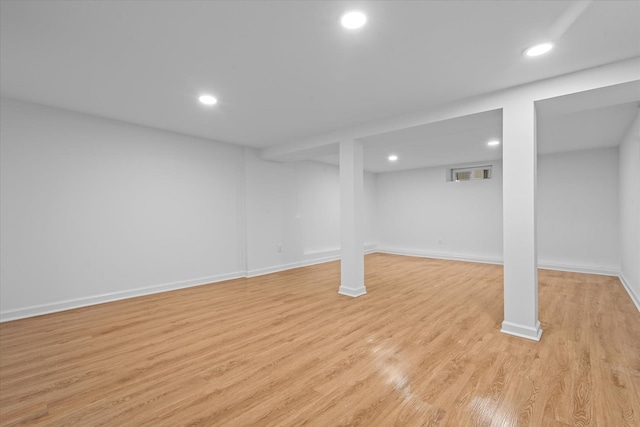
[(284, 213)]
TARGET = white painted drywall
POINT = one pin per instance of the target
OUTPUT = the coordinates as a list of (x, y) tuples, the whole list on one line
[(95, 209), (267, 185), (296, 205), (421, 213), (520, 252), (352, 218), (623, 74), (577, 213), (630, 211), (578, 210), (370, 211)]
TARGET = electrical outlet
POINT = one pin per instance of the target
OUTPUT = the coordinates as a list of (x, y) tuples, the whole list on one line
[(440, 241), (279, 248)]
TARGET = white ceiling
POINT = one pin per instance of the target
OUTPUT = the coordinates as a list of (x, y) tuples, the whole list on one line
[(284, 70), (456, 141), (581, 121), (444, 143), (582, 130), (460, 140)]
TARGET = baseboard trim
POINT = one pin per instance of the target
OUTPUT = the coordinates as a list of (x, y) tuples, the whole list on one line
[(54, 307), (634, 297), (577, 269), (39, 310), (497, 261), (522, 331), (284, 267), (329, 256), (352, 292), (451, 257)]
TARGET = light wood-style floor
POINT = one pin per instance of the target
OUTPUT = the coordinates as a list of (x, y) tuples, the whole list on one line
[(423, 347)]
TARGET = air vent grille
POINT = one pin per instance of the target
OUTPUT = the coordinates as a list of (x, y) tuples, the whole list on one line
[(471, 173)]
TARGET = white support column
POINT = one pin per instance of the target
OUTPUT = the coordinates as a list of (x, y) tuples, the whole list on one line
[(351, 218), (519, 156)]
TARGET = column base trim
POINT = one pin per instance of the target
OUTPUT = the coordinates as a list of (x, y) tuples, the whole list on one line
[(522, 331), (351, 292)]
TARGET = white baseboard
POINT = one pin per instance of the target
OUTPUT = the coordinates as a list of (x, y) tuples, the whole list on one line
[(283, 267), (522, 331), (352, 292), (634, 297), (327, 256), (54, 307), (499, 261), (578, 269), (370, 249), (38, 310), (424, 254)]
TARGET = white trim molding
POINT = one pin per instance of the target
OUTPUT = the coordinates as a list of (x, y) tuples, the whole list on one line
[(283, 267), (634, 297), (516, 330), (328, 256), (577, 269), (498, 261), (425, 254), (351, 292), (54, 307), (522, 331)]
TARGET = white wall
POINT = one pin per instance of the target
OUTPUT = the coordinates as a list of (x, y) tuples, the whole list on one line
[(577, 213), (96, 210), (93, 209), (296, 205), (421, 213), (630, 211), (370, 211)]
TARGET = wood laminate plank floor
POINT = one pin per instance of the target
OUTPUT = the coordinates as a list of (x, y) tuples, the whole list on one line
[(422, 347)]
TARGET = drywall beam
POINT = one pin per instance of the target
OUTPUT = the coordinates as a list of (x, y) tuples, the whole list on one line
[(625, 71)]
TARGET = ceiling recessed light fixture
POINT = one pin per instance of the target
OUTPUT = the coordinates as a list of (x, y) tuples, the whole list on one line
[(539, 49), (207, 99), (493, 142), (353, 20), (393, 158)]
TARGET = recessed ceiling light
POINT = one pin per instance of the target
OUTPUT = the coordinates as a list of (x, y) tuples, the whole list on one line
[(493, 142), (353, 20), (393, 158), (207, 99), (539, 49)]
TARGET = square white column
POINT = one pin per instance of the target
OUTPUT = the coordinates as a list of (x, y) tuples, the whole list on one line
[(519, 157), (352, 218)]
